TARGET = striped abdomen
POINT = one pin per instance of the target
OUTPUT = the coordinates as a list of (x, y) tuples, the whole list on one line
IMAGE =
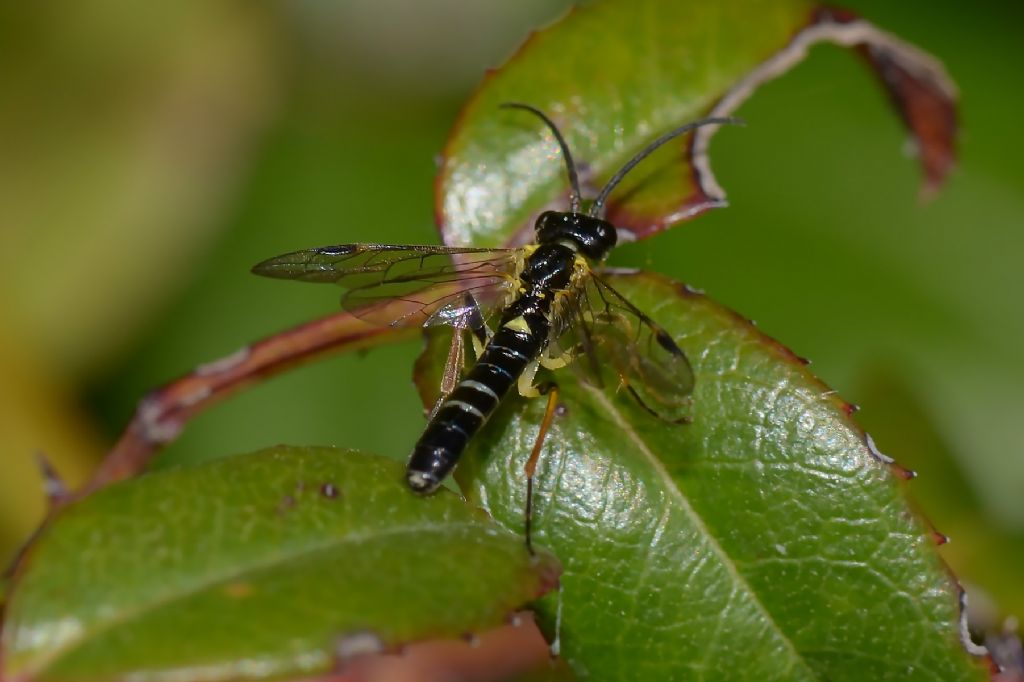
[(512, 348)]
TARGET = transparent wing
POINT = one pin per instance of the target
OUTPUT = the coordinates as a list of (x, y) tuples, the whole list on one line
[(613, 335), (405, 286)]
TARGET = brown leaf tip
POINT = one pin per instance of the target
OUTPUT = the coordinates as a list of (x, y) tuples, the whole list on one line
[(917, 85)]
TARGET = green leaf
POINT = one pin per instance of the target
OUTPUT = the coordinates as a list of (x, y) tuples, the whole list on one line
[(255, 566), (766, 540), (615, 75), (989, 553)]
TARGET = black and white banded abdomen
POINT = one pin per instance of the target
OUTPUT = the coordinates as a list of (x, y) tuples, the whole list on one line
[(516, 344)]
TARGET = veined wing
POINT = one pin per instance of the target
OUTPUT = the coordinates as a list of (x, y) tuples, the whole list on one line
[(401, 285), (612, 333)]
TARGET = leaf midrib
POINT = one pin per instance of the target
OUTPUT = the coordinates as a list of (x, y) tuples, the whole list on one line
[(674, 490), (213, 580)]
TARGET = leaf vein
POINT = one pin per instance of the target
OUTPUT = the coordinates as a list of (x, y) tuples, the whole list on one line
[(220, 578), (675, 492)]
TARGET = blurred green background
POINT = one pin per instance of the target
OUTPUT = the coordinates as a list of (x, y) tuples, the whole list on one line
[(149, 154)]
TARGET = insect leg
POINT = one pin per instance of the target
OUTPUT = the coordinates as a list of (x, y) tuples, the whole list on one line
[(585, 341), (557, 359), (474, 321), (525, 384), (551, 390), (648, 409), (453, 366), (452, 369)]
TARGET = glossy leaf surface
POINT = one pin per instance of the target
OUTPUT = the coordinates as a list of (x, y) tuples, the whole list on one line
[(766, 540), (615, 75), (272, 563)]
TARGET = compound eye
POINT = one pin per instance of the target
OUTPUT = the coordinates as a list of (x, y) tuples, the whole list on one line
[(609, 235), (549, 225)]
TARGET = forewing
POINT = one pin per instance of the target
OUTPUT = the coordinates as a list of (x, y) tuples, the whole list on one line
[(395, 285), (644, 358)]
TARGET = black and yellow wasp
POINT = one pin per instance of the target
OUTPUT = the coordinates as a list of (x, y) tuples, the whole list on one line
[(553, 303)]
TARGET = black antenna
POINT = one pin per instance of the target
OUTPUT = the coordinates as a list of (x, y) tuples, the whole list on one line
[(574, 181), (597, 208)]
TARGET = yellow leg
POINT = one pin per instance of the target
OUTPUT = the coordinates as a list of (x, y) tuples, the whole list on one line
[(525, 384), (531, 464), (557, 361)]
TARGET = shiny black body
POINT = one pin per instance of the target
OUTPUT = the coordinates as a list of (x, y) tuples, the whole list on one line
[(522, 336), (552, 285)]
